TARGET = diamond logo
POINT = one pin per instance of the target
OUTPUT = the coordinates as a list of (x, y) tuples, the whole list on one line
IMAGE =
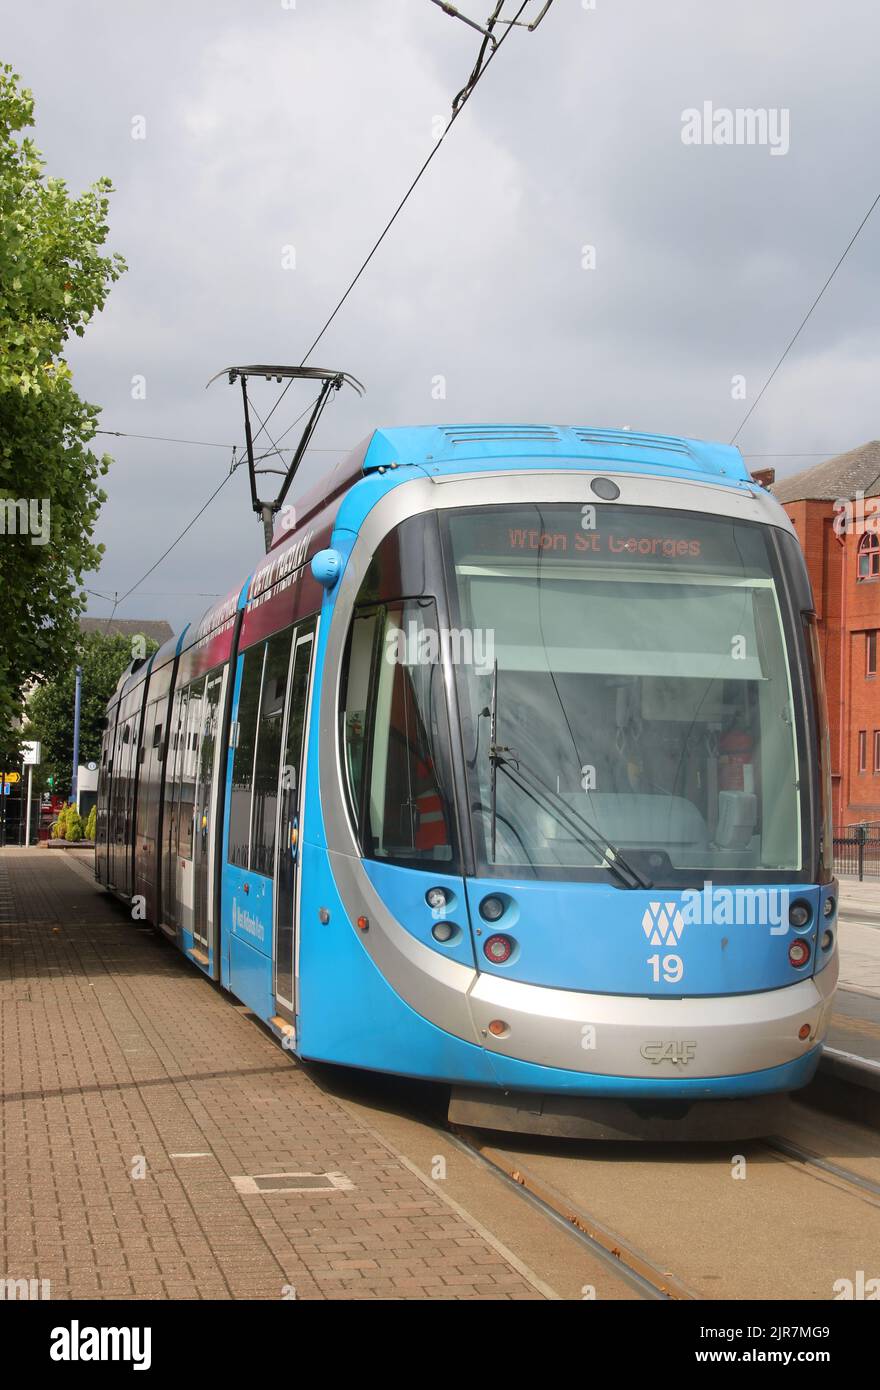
[(662, 924)]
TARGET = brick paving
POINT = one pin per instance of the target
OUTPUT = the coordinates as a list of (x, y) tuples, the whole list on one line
[(117, 1059)]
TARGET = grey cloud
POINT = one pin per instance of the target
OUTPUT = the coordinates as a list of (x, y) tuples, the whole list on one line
[(268, 126)]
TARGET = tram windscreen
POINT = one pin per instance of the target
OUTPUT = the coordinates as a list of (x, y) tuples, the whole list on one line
[(637, 663)]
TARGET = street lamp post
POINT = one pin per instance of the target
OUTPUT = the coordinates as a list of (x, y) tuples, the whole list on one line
[(76, 712)]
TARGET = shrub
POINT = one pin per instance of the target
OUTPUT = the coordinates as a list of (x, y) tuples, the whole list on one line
[(74, 829), (92, 823)]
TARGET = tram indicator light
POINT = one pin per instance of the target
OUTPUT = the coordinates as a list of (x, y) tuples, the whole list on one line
[(799, 914)]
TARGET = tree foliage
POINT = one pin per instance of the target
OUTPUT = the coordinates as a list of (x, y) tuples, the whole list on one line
[(53, 279), (50, 708)]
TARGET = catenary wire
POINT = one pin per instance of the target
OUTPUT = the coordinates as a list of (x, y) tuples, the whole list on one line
[(804, 320)]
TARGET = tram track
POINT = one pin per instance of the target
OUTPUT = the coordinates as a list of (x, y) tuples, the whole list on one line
[(639, 1261), (824, 1169), (642, 1273), (705, 1234), (667, 1220)]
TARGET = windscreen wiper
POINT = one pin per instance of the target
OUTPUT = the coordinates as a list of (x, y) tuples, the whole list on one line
[(530, 783)]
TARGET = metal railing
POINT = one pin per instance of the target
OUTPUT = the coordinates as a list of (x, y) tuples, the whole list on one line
[(857, 849)]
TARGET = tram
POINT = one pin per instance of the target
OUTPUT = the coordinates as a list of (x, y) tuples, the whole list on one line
[(506, 768)]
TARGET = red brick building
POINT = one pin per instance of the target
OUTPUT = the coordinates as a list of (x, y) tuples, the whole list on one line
[(842, 546)]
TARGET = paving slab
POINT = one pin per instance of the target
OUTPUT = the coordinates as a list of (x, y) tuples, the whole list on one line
[(132, 1092)]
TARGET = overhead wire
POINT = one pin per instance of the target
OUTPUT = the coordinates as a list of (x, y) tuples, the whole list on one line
[(467, 90), (458, 106), (804, 321), (212, 443), (235, 463)]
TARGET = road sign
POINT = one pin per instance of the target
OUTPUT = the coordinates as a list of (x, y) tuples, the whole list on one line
[(32, 753), (11, 777)]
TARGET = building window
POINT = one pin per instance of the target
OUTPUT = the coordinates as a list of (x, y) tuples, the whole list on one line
[(877, 750), (863, 750), (871, 653), (869, 556)]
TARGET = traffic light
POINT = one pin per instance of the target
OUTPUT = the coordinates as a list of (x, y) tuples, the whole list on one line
[(51, 783)]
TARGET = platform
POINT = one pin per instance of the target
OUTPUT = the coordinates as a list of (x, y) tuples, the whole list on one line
[(142, 1110)]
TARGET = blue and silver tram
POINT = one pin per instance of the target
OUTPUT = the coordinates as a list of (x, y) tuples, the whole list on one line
[(507, 768)]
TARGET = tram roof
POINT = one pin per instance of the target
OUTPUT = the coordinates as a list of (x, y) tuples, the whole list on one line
[(475, 447)]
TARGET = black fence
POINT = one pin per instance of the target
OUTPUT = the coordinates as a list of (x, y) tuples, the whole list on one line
[(857, 850)]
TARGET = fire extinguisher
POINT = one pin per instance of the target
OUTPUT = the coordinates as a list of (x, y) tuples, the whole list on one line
[(735, 770)]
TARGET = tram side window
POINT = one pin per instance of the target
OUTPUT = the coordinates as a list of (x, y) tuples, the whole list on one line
[(121, 782), (176, 767), (148, 780), (130, 741), (189, 763), (243, 764), (361, 656), (266, 764), (396, 737)]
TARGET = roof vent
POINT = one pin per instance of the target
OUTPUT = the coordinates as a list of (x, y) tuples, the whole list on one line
[(503, 434), (669, 444)]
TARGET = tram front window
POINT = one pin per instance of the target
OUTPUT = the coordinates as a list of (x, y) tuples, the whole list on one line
[(637, 664)]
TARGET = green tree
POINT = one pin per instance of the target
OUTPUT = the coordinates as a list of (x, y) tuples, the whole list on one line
[(53, 279), (50, 708)]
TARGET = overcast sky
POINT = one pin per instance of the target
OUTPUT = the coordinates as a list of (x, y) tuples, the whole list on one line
[(271, 125)]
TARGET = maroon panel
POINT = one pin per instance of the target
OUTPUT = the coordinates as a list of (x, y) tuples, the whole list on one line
[(283, 587), (212, 643)]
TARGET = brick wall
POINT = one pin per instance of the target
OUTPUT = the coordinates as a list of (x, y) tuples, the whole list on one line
[(847, 610)]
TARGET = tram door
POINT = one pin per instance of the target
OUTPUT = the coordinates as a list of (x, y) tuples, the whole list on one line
[(291, 780), (206, 809)]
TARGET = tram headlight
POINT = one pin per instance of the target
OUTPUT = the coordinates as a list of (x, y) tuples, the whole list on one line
[(799, 914), (491, 909), (829, 907), (827, 940), (799, 953), (436, 897), (498, 949), (443, 931)]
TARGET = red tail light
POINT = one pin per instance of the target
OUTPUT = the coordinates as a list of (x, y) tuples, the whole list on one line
[(799, 952), (497, 949)]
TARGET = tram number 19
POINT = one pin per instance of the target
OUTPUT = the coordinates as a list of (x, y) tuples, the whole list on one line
[(671, 968)]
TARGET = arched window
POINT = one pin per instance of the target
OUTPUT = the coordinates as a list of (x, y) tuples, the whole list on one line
[(869, 556)]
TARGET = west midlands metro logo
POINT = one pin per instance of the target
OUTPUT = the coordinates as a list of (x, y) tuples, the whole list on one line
[(662, 924)]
